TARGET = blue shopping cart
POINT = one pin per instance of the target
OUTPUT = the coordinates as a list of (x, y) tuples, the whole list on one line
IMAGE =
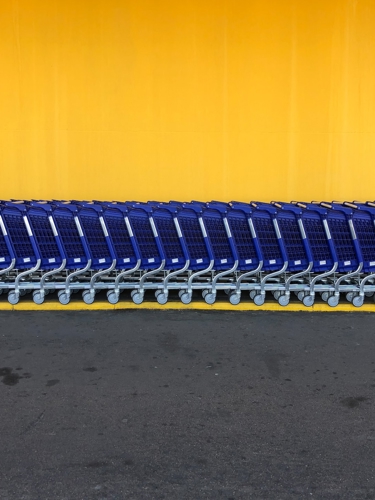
[(250, 260), (128, 259), (25, 250), (174, 248), (274, 257), (53, 260), (75, 248), (150, 249), (201, 259)]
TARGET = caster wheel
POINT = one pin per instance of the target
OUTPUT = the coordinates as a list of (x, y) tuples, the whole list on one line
[(333, 301), (186, 298), (300, 296), (210, 298), (204, 293), (112, 297), (234, 298), (13, 298), (87, 297), (137, 298), (277, 294), (284, 300), (369, 294), (349, 296), (180, 293), (133, 292), (23, 293), (37, 297), (227, 291), (259, 300), (158, 292), (162, 298), (308, 300), (64, 298), (325, 296), (252, 294), (358, 301)]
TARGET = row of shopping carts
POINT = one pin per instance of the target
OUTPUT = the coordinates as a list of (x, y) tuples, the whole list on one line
[(248, 249)]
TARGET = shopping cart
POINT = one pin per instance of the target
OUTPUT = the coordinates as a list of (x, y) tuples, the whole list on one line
[(73, 241), (274, 257), (150, 249), (25, 251), (53, 260)]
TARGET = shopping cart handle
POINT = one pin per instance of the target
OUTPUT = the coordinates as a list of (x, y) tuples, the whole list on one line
[(92, 206), (165, 206), (193, 206), (239, 205), (219, 208), (19, 206), (141, 206), (267, 207), (341, 208), (296, 209), (43, 206), (67, 206), (116, 206)]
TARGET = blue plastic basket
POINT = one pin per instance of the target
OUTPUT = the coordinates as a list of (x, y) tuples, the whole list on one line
[(197, 244), (247, 246), (273, 252), (173, 245), (46, 235), (123, 243), (223, 250), (322, 250), (20, 235), (149, 247), (347, 249), (72, 239), (97, 237)]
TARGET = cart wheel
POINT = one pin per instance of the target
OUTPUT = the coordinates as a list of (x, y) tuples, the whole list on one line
[(112, 297), (87, 297), (180, 293), (333, 301), (259, 299), (369, 294), (37, 297), (349, 296), (205, 292), (325, 296), (284, 300), (252, 294), (358, 301), (234, 298), (186, 298), (300, 296), (64, 298), (276, 294), (210, 298), (133, 292), (158, 292), (13, 298), (162, 298), (227, 291), (137, 298), (23, 293), (308, 300)]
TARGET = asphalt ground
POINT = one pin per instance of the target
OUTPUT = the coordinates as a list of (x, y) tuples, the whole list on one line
[(186, 405)]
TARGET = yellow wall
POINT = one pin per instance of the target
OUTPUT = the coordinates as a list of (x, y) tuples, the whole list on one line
[(160, 99)]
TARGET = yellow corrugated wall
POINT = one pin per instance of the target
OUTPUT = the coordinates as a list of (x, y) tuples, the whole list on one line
[(203, 99)]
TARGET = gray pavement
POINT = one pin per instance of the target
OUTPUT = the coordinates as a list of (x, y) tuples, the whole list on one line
[(187, 405)]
